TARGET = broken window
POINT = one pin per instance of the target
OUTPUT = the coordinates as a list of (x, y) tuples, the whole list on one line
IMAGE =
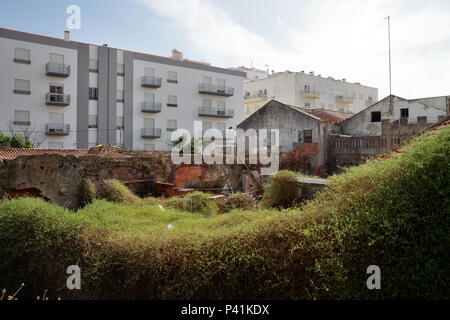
[(307, 135), (404, 113), (376, 116)]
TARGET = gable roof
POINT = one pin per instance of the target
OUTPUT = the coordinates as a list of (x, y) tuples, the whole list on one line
[(328, 115)]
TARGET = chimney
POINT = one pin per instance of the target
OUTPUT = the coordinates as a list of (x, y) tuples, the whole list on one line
[(105, 44), (311, 73), (344, 79), (67, 35), (177, 55)]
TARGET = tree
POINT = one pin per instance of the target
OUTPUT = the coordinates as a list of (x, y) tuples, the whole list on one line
[(25, 136), (17, 141)]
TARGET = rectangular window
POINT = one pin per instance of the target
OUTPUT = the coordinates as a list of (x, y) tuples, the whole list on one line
[(369, 99), (171, 125), (22, 56), (376, 116), (172, 101), (207, 81), (221, 85), (56, 117), (404, 113), (21, 118), (149, 97), (220, 105), (149, 72), (120, 96), (56, 58), (22, 86), (149, 123), (207, 103), (307, 104), (149, 147), (119, 122), (93, 93), (172, 77), (93, 65), (120, 69), (307, 88), (56, 92), (93, 121), (206, 126), (300, 136), (55, 145), (307, 135)]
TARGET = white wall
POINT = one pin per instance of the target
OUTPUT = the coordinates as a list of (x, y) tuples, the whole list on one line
[(188, 99), (39, 86)]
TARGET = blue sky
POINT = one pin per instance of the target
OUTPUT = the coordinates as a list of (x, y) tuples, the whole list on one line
[(338, 38)]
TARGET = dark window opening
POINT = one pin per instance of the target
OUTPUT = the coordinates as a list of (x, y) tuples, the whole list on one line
[(307, 135), (93, 94), (376, 116), (404, 113)]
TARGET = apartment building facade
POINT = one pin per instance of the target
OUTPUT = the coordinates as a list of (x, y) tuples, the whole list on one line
[(73, 95), (308, 91)]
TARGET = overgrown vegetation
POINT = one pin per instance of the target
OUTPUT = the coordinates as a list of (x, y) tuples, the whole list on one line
[(282, 191), (392, 213), (17, 141)]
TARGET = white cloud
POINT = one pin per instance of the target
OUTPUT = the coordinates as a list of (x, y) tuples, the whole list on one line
[(344, 39)]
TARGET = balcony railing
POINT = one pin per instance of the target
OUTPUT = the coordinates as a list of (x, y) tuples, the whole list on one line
[(214, 112), (344, 99), (256, 95), (153, 107), (216, 90), (151, 82), (151, 132), (57, 129), (57, 99), (310, 94), (57, 69)]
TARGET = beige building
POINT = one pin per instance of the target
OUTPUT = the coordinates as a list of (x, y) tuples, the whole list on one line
[(309, 91)]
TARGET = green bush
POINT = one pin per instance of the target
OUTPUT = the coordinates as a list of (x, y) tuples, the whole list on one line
[(195, 201), (392, 213), (114, 191), (17, 141), (238, 200), (282, 191)]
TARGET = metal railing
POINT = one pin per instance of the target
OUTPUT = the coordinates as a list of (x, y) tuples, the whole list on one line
[(151, 82), (151, 132), (256, 95), (310, 93), (57, 129), (57, 99), (153, 107), (214, 112), (57, 69), (344, 99), (215, 90)]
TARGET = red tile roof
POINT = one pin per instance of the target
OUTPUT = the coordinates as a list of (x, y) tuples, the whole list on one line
[(12, 153), (329, 116)]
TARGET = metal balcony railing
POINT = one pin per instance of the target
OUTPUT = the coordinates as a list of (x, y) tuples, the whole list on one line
[(310, 94), (344, 99), (256, 95), (215, 90), (151, 82), (214, 112), (57, 69), (151, 132), (57, 129), (153, 107), (57, 99)]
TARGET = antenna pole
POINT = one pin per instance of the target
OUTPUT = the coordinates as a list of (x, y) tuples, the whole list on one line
[(390, 80)]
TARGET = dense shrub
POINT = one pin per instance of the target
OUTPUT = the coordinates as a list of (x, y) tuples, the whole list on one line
[(282, 191), (195, 201), (392, 213), (113, 190), (238, 200)]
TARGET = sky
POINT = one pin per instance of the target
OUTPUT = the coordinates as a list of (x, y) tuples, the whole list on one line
[(339, 38)]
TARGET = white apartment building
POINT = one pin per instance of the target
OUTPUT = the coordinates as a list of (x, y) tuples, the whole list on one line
[(75, 95), (252, 73), (308, 91)]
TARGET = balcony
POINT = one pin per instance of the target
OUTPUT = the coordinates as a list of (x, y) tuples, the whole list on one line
[(57, 69), (57, 99), (344, 99), (308, 94), (216, 90), (151, 82), (151, 133), (214, 112), (152, 107), (255, 96), (57, 129)]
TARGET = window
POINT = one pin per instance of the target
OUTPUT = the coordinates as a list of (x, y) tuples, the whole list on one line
[(276, 90), (149, 147), (206, 126), (93, 65), (22, 86), (307, 88), (341, 110), (369, 99), (56, 117), (93, 93), (119, 122), (120, 69), (120, 96), (22, 56), (376, 116), (93, 121), (149, 97), (171, 125), (207, 103), (172, 101), (149, 72), (404, 113), (221, 105), (307, 135), (149, 123), (172, 77), (221, 85), (55, 145), (56, 58), (21, 118), (307, 104), (56, 92)]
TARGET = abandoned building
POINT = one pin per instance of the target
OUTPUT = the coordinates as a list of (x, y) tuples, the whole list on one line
[(304, 131)]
